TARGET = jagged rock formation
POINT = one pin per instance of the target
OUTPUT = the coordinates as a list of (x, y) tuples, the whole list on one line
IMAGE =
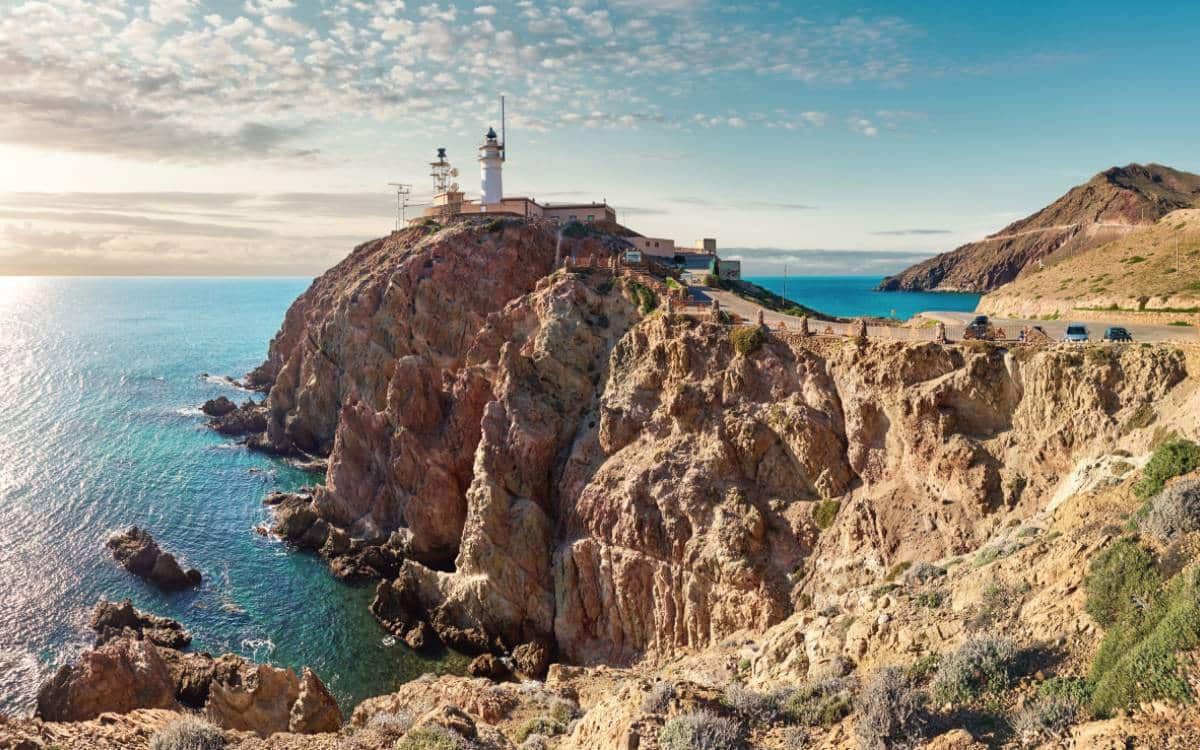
[(130, 672), (112, 621), (137, 552), (534, 462), (1111, 204)]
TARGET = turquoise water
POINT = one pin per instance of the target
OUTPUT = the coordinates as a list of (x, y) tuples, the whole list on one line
[(853, 296), (98, 430)]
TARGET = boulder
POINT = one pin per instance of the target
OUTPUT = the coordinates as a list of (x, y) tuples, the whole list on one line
[(489, 666), (120, 676), (110, 621), (533, 659), (251, 697), (421, 637), (218, 407), (138, 553)]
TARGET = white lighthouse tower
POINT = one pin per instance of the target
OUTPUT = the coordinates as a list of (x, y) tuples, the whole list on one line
[(491, 159)]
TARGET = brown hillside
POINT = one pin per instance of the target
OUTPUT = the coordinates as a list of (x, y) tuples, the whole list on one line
[(1106, 207)]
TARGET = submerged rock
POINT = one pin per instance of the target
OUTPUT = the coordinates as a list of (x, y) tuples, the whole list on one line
[(138, 553), (111, 621)]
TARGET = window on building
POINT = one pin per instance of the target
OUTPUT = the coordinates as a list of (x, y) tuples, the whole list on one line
[(591, 218)]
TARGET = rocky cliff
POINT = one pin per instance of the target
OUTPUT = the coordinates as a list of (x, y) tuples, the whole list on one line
[(556, 467), (739, 538), (1108, 206)]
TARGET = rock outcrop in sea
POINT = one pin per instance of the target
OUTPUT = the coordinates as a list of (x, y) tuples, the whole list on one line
[(137, 552)]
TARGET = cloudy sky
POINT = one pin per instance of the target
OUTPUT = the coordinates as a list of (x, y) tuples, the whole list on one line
[(258, 136)]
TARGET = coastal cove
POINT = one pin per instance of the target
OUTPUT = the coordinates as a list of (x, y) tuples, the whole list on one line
[(854, 296), (101, 382)]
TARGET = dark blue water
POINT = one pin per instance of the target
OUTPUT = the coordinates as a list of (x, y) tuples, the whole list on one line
[(853, 296), (99, 380)]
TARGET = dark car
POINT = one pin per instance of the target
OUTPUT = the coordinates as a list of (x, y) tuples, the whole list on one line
[(979, 328), (1117, 333)]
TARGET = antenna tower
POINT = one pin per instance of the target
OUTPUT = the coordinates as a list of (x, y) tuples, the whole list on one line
[(503, 133), (402, 192)]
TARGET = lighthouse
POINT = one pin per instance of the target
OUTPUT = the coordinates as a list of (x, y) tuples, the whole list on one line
[(491, 159)]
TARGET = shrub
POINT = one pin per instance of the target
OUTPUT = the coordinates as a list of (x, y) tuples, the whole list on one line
[(930, 599), (188, 733), (1174, 511), (1045, 719), (923, 572), (431, 737), (658, 698), (1121, 578), (925, 667), (997, 601), (890, 712), (576, 230), (747, 339), (750, 705), (700, 731), (644, 297), (536, 742), (982, 665), (712, 280), (1168, 461), (1069, 688), (564, 711), (392, 725), (819, 704), (1137, 661), (897, 570), (543, 725), (824, 512)]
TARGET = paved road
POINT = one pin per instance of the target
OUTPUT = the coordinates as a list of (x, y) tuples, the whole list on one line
[(955, 322), (1057, 328)]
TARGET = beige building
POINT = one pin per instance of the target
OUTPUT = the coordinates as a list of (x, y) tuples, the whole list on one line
[(656, 246)]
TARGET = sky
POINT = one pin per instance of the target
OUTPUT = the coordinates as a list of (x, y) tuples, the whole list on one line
[(258, 137)]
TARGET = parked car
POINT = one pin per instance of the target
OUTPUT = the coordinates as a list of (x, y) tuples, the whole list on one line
[(979, 328), (1076, 332), (1117, 333)]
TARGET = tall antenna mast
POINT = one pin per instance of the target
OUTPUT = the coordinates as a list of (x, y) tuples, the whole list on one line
[(503, 133), (402, 192)]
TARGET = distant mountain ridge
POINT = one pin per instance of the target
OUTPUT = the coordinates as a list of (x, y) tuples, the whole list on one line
[(1106, 207)]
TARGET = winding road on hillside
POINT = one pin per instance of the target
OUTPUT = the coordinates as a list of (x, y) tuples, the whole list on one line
[(955, 322)]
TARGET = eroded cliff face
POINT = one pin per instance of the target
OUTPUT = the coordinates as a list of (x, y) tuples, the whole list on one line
[(559, 468)]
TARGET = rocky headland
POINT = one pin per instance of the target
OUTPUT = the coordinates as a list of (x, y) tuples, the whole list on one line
[(683, 533)]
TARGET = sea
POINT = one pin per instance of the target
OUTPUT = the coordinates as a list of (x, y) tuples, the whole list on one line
[(855, 296), (100, 384), (100, 380)]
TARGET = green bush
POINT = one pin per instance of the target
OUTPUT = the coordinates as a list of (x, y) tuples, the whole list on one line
[(700, 731), (188, 733), (824, 512), (1120, 580), (979, 666), (430, 738), (747, 339), (576, 230), (1137, 661), (819, 704), (644, 297), (1069, 688), (564, 711), (543, 725), (1168, 461), (712, 280)]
